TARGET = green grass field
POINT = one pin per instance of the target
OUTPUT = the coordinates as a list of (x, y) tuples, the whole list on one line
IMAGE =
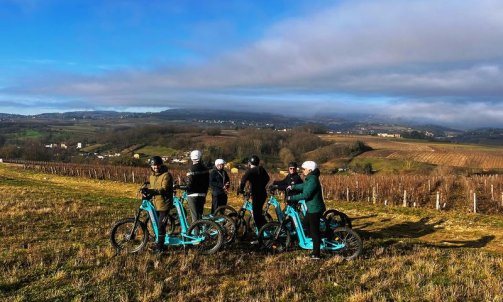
[(77, 129), (383, 165), (26, 134), (157, 150), (55, 247), (92, 148), (31, 134)]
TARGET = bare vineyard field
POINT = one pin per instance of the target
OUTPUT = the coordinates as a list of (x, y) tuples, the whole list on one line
[(102, 172), (482, 194), (437, 192), (442, 154)]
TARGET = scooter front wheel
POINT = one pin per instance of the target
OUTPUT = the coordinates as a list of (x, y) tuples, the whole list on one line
[(228, 226), (226, 211), (208, 236), (124, 238), (274, 237)]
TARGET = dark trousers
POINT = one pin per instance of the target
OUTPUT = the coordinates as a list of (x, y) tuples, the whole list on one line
[(161, 215), (218, 200), (258, 215), (312, 222), (196, 207)]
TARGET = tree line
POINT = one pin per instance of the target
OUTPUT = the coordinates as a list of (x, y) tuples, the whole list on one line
[(275, 148)]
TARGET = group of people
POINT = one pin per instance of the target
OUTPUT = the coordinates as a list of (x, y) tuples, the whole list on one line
[(200, 179)]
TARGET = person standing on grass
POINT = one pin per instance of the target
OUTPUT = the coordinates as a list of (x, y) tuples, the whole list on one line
[(313, 195), (291, 179), (258, 178), (161, 188), (219, 183), (197, 185)]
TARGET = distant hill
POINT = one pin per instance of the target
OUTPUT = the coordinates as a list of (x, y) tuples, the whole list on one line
[(93, 115), (353, 124), (232, 117), (4, 116), (484, 136)]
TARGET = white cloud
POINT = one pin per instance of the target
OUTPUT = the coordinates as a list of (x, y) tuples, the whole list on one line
[(417, 50)]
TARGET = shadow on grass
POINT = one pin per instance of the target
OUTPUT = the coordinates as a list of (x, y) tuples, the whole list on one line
[(407, 229), (364, 217), (452, 244), (417, 229)]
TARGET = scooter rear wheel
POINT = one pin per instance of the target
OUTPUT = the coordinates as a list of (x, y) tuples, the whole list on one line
[(352, 241), (337, 219), (124, 238)]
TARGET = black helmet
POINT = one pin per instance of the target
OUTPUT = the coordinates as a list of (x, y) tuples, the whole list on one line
[(155, 161), (254, 160), (292, 164)]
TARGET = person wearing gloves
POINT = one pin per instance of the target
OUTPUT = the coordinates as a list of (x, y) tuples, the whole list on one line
[(313, 195), (197, 185), (258, 178), (161, 188), (219, 183)]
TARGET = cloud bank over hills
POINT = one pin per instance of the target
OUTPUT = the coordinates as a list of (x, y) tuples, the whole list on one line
[(435, 61)]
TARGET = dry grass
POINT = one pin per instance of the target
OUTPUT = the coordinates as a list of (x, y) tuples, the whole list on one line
[(54, 246)]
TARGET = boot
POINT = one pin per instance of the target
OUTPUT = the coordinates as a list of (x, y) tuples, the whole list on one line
[(159, 246)]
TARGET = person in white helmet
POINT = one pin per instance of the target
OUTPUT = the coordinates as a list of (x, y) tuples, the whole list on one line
[(197, 185), (219, 183), (313, 195)]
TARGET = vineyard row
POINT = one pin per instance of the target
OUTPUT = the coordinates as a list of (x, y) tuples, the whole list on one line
[(481, 194)]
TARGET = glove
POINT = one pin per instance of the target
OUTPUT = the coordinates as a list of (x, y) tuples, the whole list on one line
[(144, 193), (149, 192)]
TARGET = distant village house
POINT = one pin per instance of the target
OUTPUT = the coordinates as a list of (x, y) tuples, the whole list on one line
[(391, 135)]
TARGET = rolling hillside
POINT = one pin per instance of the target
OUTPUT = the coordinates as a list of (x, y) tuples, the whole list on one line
[(54, 234), (440, 154)]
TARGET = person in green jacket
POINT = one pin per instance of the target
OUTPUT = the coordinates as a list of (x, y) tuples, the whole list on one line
[(313, 195), (161, 190)]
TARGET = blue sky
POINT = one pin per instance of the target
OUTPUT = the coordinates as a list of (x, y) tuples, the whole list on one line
[(430, 61)]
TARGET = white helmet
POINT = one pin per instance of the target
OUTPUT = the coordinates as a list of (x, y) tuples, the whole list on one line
[(219, 162), (310, 165), (195, 155)]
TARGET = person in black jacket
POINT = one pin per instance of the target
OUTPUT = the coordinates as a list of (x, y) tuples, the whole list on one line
[(219, 183), (258, 178), (291, 179), (197, 185)]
